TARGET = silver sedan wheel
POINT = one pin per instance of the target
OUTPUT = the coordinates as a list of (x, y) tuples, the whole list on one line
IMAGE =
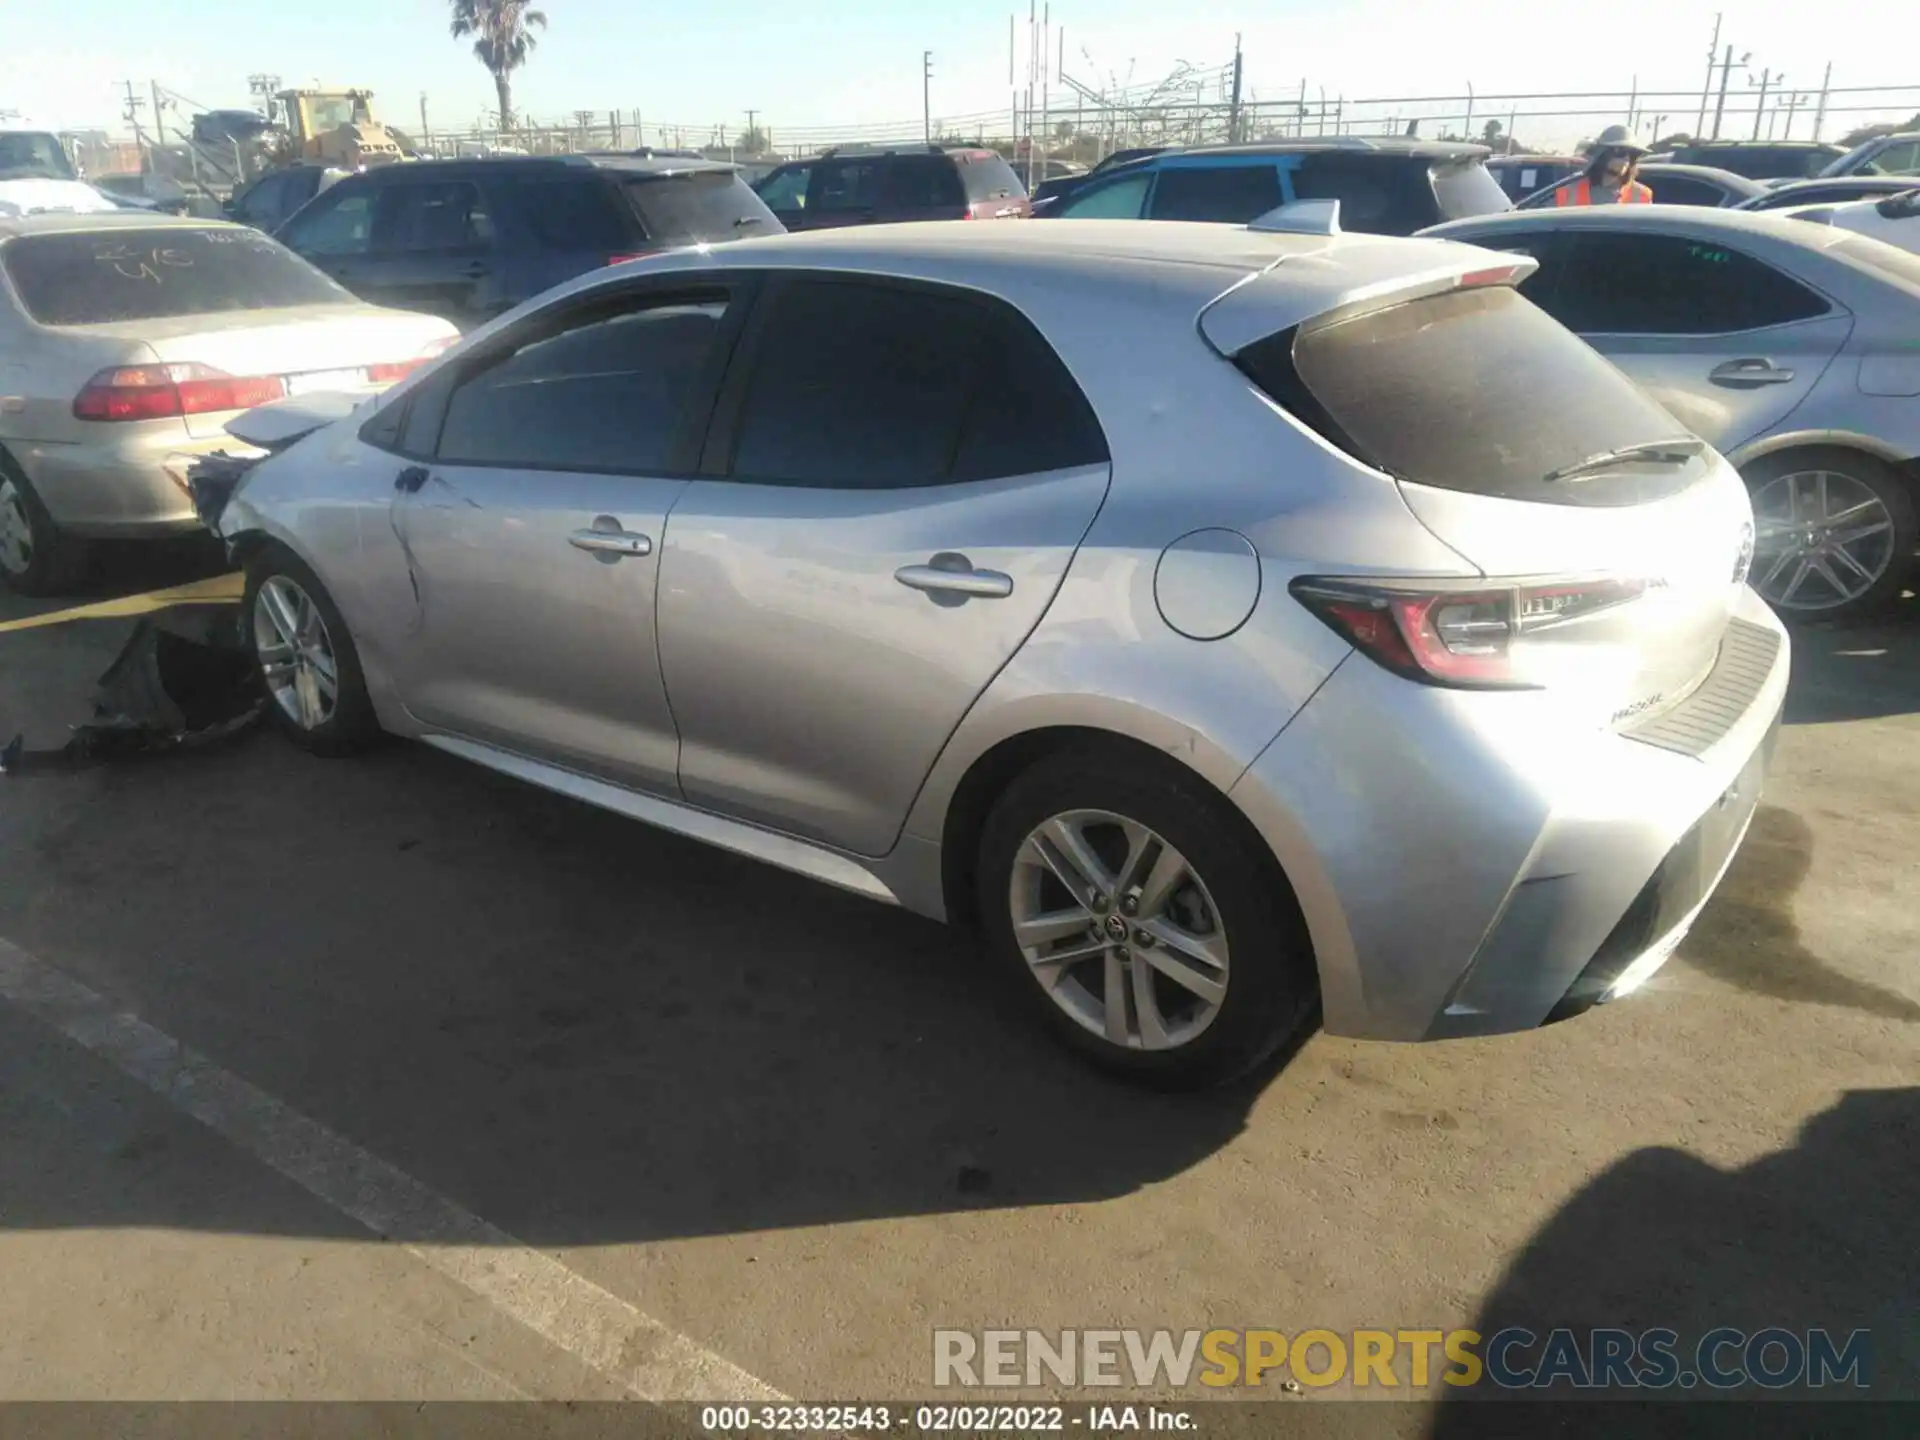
[(1821, 540), (16, 530), (1119, 930), (296, 652)]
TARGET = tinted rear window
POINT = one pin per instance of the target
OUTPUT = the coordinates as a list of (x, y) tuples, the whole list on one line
[(1473, 390), (1757, 162), (704, 207), (102, 276), (988, 177), (574, 215)]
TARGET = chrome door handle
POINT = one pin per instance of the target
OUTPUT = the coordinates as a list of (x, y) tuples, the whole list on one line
[(1756, 370), (950, 574), (611, 542)]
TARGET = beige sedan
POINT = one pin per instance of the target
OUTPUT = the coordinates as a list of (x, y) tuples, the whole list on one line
[(127, 341)]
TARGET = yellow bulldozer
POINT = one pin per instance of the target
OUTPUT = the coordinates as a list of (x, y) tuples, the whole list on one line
[(334, 128)]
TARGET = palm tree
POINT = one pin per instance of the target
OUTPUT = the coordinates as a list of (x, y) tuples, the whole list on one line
[(502, 33)]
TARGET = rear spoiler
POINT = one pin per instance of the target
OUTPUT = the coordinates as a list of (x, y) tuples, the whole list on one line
[(1360, 274)]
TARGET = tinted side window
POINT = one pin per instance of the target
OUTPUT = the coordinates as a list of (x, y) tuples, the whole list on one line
[(608, 394), (924, 182), (1027, 414), (844, 185), (858, 386), (262, 204), (1685, 190), (1231, 194), (1377, 195), (1616, 283), (1114, 200), (786, 189), (1901, 159), (339, 223), (572, 215), (433, 218)]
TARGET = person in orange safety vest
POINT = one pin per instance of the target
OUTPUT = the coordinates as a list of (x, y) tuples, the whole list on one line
[(1612, 173)]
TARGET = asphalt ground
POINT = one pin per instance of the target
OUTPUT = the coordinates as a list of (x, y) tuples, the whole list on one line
[(393, 1079)]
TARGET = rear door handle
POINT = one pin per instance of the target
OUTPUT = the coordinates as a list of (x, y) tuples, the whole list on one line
[(613, 542), (1753, 370), (951, 574)]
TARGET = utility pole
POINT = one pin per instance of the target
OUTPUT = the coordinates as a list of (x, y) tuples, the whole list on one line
[(426, 134), (1726, 70), (1713, 50), (132, 116), (753, 130), (1233, 112), (159, 122), (926, 96), (1820, 115), (1760, 110)]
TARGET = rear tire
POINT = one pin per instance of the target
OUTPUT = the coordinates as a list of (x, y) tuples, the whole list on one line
[(1835, 533), (304, 657), (1185, 927), (36, 559)]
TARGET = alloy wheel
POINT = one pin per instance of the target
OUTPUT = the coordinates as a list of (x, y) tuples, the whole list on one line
[(16, 530), (1821, 540), (296, 652), (1119, 930)]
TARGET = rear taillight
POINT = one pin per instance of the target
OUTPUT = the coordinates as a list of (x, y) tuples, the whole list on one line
[(391, 371), (623, 259), (159, 392), (1469, 635)]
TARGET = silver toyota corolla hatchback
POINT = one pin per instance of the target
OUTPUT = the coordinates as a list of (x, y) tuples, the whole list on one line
[(1229, 624)]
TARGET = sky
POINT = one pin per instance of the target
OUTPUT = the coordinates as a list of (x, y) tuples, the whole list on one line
[(822, 62)]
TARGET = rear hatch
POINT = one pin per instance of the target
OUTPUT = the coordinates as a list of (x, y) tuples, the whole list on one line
[(1614, 544)]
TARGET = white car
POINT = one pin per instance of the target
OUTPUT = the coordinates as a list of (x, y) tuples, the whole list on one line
[(1895, 219), (127, 341)]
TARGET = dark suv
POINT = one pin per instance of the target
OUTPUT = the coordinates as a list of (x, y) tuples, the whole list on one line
[(467, 239), (876, 185), (1761, 159), (268, 201), (1384, 186)]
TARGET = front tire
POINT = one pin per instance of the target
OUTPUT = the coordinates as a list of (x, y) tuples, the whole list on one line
[(36, 559), (1140, 914), (305, 658), (1834, 533)]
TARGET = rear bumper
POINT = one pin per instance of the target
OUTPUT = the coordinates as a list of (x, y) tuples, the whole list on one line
[(1470, 864), (121, 489)]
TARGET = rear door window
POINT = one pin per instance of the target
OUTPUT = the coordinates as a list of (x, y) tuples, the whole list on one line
[(869, 386), (1474, 390), (1378, 194), (1616, 283), (700, 208), (1229, 194), (265, 203), (105, 276), (924, 182), (1900, 159), (609, 393), (573, 214)]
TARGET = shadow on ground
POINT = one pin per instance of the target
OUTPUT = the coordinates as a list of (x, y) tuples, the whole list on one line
[(1663, 1239), (588, 1030), (1859, 672)]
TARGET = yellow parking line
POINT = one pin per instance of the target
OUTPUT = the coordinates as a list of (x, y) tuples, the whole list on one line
[(220, 590)]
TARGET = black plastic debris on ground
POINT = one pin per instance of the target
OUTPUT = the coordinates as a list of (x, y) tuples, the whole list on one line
[(182, 681)]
